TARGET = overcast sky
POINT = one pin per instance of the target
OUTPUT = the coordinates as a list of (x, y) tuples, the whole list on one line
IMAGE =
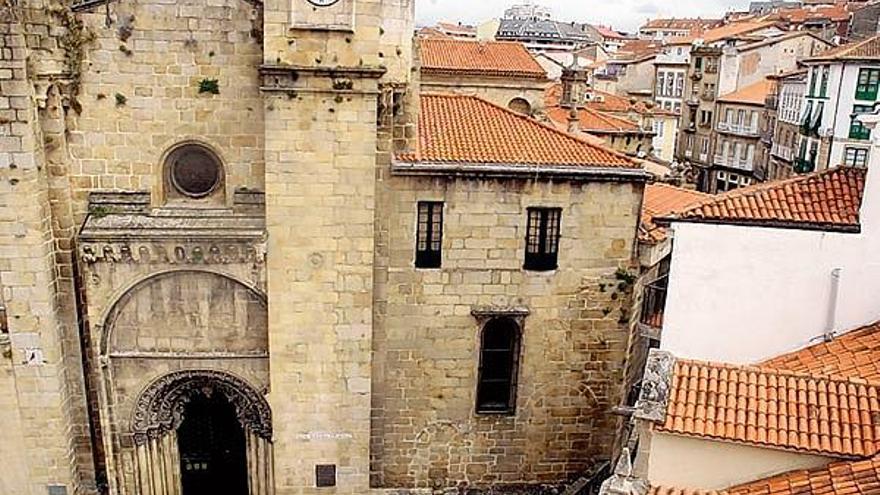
[(621, 14)]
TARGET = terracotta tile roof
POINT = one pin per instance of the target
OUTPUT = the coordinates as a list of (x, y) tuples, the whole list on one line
[(468, 129), (753, 94), (836, 13), (839, 478), (868, 49), (608, 33), (495, 58), (855, 354), (733, 30), (828, 200), (606, 102), (680, 24), (593, 121), (663, 200), (453, 28), (774, 409)]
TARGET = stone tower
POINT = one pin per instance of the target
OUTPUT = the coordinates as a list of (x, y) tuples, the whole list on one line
[(325, 66)]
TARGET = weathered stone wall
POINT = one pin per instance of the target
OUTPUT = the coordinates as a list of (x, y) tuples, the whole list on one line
[(426, 341), (140, 94), (321, 142), (48, 428)]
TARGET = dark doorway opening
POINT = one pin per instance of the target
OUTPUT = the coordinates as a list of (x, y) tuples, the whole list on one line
[(212, 448)]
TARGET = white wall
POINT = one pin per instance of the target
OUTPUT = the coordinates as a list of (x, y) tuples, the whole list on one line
[(678, 461), (745, 294)]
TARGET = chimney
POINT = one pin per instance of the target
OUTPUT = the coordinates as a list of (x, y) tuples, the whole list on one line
[(574, 85), (574, 122)]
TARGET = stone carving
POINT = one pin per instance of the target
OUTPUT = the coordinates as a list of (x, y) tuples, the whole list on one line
[(655, 386), (160, 407), (623, 481), (209, 254)]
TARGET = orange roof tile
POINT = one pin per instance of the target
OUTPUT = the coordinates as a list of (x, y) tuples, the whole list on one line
[(733, 30), (663, 200), (593, 121), (753, 94), (608, 102), (682, 23), (774, 409), (868, 49), (838, 12), (495, 58), (468, 129), (828, 200), (855, 354), (839, 478)]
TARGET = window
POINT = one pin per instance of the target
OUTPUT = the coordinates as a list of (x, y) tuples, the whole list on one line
[(856, 157), (813, 77), (520, 105), (869, 80), (429, 234), (542, 239), (698, 63), (856, 129), (194, 171), (823, 87), (499, 360)]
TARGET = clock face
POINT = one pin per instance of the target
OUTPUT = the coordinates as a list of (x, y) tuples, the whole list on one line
[(323, 3)]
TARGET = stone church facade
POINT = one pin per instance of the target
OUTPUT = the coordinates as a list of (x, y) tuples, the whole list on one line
[(241, 253)]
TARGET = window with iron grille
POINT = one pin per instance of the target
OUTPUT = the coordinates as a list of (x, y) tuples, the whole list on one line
[(542, 239), (429, 234), (499, 361)]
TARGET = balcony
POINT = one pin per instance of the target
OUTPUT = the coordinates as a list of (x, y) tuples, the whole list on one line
[(783, 152), (693, 100), (704, 157), (734, 162), (654, 303), (738, 129), (688, 153)]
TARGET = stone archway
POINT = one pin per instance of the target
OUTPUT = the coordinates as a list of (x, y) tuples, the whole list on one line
[(159, 413)]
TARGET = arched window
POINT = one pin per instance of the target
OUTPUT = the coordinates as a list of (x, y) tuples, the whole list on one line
[(520, 105), (193, 171), (499, 361)]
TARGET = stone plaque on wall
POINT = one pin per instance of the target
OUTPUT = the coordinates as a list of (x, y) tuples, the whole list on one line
[(322, 14)]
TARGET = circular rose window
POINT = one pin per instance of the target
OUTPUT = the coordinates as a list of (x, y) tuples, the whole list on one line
[(194, 171)]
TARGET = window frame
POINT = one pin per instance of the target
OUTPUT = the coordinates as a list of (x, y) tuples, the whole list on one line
[(867, 84), (429, 258), (481, 406), (860, 157), (543, 260), (857, 130)]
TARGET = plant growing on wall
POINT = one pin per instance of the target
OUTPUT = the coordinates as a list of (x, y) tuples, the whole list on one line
[(211, 86), (121, 99), (74, 41)]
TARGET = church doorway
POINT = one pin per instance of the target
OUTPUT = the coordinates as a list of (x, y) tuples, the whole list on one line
[(211, 440)]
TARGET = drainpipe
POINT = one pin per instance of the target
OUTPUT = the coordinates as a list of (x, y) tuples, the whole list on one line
[(832, 305), (836, 110)]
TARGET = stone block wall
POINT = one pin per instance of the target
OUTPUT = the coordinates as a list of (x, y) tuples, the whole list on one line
[(46, 421), (499, 90), (140, 94), (425, 432)]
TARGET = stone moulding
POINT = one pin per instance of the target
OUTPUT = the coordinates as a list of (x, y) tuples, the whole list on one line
[(518, 171), (656, 385), (172, 253), (160, 407)]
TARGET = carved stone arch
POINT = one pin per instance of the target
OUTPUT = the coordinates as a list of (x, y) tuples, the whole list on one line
[(160, 407), (106, 320)]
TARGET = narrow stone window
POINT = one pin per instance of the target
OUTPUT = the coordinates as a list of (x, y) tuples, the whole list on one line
[(542, 239), (499, 362), (429, 234)]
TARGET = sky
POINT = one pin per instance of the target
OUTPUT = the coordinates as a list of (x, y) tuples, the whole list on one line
[(625, 15)]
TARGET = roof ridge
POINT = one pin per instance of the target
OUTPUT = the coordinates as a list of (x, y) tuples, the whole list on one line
[(781, 372)]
